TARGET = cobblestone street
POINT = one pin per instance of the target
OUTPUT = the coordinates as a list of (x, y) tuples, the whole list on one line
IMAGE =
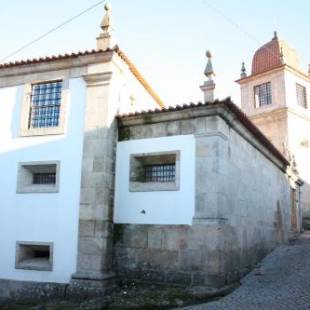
[(281, 281)]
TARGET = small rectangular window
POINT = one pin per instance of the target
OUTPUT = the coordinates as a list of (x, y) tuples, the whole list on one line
[(38, 177), (301, 95), (34, 256), (263, 94), (45, 104), (154, 171)]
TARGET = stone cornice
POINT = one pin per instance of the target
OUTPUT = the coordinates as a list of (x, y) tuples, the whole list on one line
[(11, 73), (280, 112), (273, 70), (57, 64), (249, 132), (96, 79)]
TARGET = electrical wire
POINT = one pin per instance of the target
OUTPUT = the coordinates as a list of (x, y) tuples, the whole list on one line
[(236, 25), (51, 31)]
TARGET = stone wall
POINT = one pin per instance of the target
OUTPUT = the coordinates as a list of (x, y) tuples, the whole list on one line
[(242, 204), (179, 254)]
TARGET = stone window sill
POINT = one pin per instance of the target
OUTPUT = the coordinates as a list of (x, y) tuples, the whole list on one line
[(153, 186)]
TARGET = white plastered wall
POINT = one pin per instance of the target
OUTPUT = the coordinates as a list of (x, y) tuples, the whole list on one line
[(131, 96), (290, 90), (40, 217), (162, 207), (277, 90)]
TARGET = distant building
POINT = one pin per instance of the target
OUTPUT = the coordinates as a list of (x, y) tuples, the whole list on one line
[(93, 188), (275, 96)]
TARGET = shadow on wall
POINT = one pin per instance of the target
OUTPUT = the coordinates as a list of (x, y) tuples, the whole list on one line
[(278, 224), (305, 192)]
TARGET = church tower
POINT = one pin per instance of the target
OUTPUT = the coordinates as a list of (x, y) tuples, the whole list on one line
[(276, 98)]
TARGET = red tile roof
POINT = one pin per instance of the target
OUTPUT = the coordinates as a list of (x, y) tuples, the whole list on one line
[(121, 54), (269, 56)]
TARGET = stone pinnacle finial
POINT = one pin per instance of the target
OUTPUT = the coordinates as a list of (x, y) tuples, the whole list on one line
[(243, 71), (209, 72), (106, 24), (208, 86), (105, 40), (275, 35)]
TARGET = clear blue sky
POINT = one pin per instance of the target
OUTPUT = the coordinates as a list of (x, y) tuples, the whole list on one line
[(167, 40)]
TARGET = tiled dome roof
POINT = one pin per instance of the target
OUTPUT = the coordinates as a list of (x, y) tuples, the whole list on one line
[(269, 56)]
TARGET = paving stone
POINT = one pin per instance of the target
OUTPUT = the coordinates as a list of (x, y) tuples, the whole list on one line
[(281, 281)]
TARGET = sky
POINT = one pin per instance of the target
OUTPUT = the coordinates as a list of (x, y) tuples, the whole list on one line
[(166, 40)]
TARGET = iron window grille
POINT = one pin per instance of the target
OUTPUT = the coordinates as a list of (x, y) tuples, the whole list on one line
[(263, 94), (159, 173), (44, 178), (301, 95), (45, 104)]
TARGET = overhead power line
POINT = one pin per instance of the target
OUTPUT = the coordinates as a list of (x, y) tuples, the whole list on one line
[(51, 31), (236, 25)]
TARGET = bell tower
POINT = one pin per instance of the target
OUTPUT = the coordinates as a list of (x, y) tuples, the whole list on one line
[(275, 96)]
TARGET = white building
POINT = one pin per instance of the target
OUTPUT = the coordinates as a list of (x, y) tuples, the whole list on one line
[(200, 194), (57, 143)]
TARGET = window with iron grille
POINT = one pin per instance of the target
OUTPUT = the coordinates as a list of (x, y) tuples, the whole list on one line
[(301, 95), (44, 178), (38, 177), (45, 104), (263, 94), (159, 173)]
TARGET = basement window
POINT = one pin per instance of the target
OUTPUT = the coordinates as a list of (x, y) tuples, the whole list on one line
[(154, 172), (34, 256), (38, 177)]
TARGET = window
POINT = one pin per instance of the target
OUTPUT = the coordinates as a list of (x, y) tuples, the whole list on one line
[(301, 95), (45, 104), (44, 178), (159, 173), (34, 256), (154, 171), (38, 177), (44, 108), (263, 94)]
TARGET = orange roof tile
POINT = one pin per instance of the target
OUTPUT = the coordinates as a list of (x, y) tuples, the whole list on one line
[(269, 56)]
